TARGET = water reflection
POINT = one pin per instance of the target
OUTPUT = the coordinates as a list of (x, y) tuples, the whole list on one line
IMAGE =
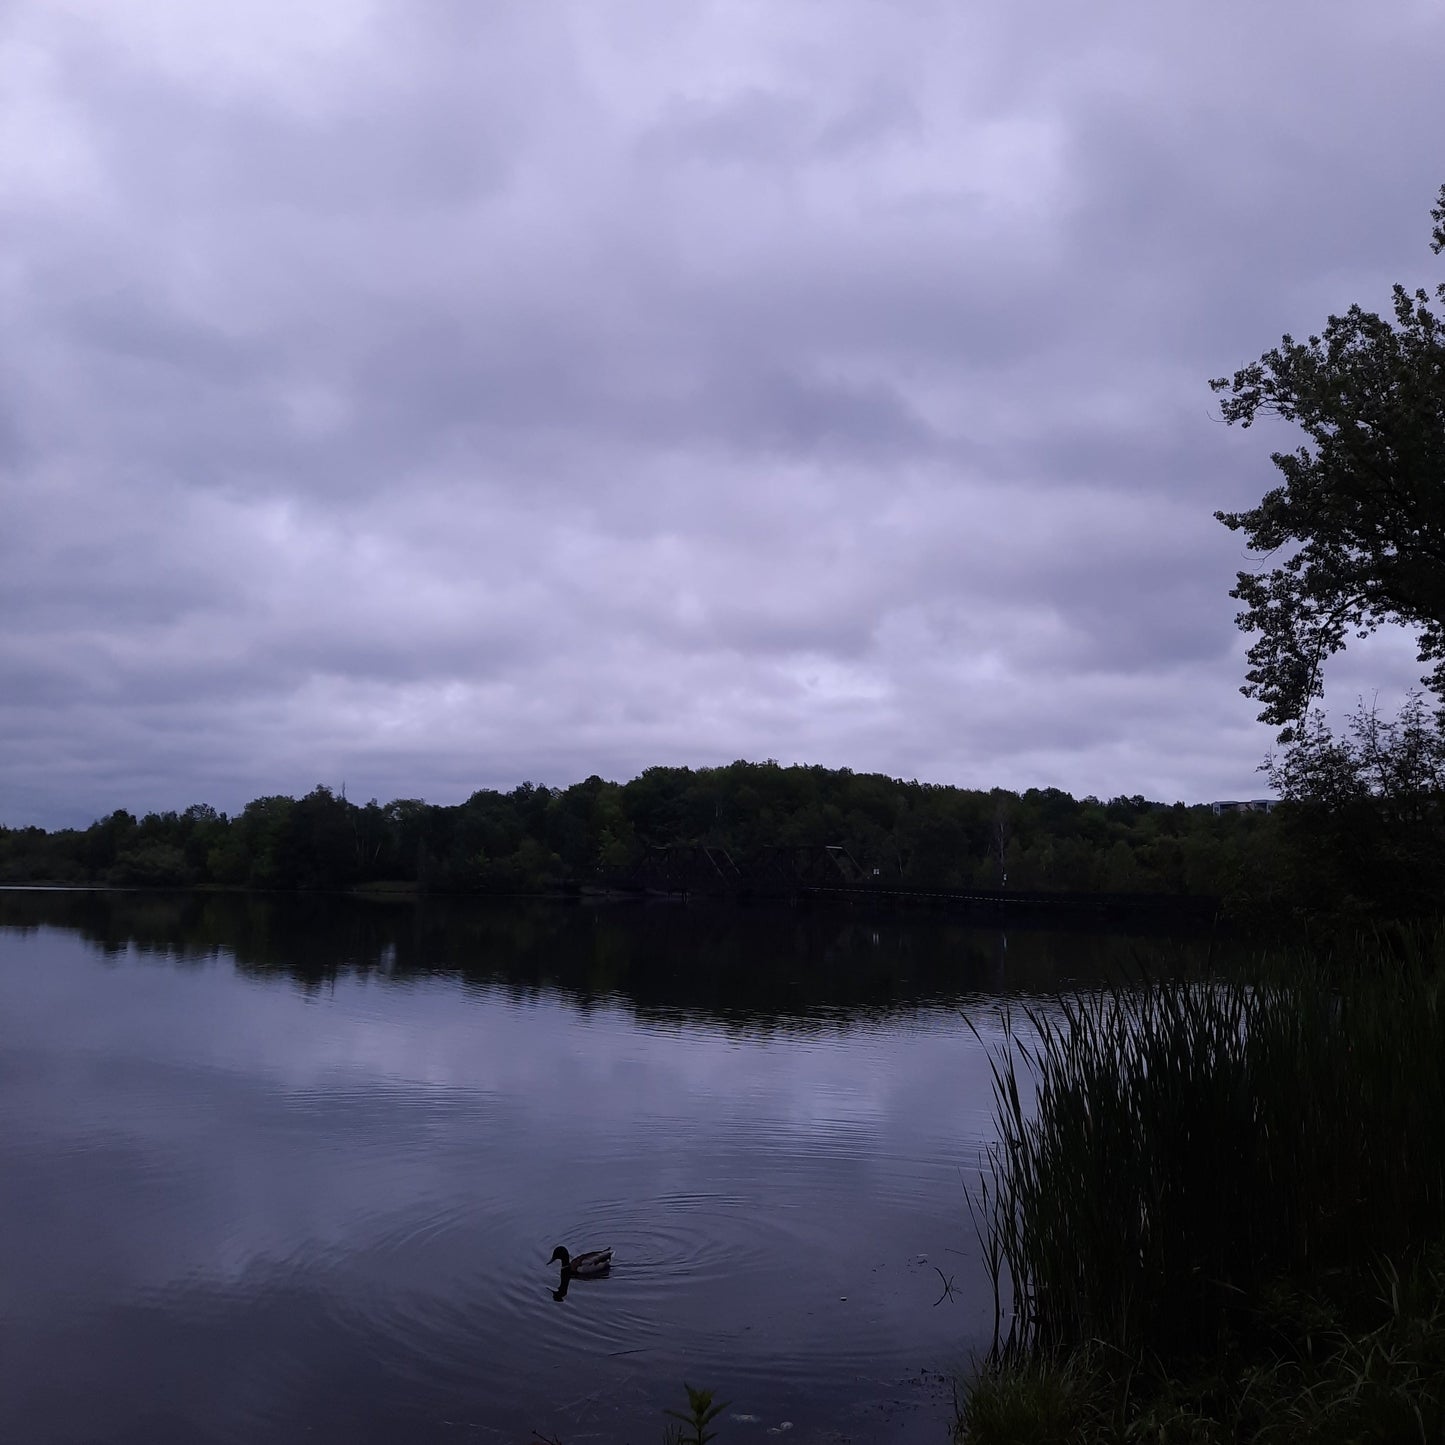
[(290, 1168), (750, 965)]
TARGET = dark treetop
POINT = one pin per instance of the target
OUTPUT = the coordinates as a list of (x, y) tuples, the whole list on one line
[(1359, 523)]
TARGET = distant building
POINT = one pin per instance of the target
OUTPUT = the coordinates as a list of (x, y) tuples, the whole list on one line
[(1255, 805)]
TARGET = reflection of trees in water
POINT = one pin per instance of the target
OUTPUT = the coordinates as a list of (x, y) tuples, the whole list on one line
[(728, 963)]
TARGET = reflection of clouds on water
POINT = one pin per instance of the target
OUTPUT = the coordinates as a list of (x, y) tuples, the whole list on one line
[(429, 1034), (395, 1160), (263, 1085)]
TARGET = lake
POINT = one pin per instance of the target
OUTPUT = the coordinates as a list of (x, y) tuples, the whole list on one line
[(291, 1168)]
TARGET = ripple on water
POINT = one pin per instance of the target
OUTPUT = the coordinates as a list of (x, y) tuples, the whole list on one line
[(683, 1240), (444, 1286), (441, 1287)]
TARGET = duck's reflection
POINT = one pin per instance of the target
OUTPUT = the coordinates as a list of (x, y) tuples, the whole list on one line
[(592, 1264)]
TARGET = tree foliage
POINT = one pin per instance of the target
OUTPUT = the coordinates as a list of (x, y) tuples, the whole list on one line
[(1358, 525), (539, 839), (1399, 762), (1362, 837)]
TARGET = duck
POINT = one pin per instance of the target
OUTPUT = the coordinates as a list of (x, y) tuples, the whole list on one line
[(586, 1265)]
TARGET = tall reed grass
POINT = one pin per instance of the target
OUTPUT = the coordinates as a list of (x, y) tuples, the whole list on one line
[(1172, 1153)]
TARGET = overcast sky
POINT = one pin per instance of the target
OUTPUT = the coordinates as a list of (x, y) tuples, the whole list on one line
[(426, 395)]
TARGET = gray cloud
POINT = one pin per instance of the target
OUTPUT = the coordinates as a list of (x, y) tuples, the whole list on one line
[(437, 396)]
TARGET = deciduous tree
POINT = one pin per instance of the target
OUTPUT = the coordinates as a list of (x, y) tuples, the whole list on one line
[(1356, 532)]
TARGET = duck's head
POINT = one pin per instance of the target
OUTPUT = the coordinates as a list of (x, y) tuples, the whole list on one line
[(560, 1253)]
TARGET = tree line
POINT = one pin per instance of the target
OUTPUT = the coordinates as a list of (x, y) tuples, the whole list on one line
[(537, 839), (1359, 834)]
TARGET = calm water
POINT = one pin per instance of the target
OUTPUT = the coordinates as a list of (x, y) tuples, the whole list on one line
[(290, 1170)]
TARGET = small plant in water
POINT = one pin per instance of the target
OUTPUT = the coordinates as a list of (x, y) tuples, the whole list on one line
[(701, 1413)]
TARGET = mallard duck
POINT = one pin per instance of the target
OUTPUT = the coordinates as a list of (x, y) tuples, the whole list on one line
[(584, 1266)]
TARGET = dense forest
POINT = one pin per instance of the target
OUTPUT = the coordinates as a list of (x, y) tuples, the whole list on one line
[(535, 839), (539, 839), (1366, 857)]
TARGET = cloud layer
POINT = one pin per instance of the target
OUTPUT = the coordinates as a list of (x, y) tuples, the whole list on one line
[(432, 396)]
